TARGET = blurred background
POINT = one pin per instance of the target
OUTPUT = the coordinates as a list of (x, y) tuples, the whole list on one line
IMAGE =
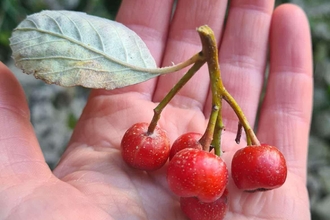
[(55, 110)]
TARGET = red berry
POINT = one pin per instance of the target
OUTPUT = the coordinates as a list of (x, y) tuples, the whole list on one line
[(198, 210), (193, 172), (258, 168), (145, 151), (188, 140)]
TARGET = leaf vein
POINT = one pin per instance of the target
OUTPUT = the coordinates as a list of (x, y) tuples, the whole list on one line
[(121, 42), (38, 44), (58, 57), (89, 68), (57, 24), (75, 25), (137, 68), (144, 62), (23, 41), (77, 68), (33, 22), (97, 33)]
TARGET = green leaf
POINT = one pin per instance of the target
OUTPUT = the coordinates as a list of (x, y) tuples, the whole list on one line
[(72, 48)]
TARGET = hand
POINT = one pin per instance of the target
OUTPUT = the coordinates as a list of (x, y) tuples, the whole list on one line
[(92, 182)]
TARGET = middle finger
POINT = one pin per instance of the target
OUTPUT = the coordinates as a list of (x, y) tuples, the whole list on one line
[(183, 42)]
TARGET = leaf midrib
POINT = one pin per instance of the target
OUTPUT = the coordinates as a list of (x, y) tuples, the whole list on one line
[(136, 68)]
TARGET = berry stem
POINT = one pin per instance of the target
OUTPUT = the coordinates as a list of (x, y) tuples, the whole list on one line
[(186, 77), (251, 138), (207, 137), (216, 143)]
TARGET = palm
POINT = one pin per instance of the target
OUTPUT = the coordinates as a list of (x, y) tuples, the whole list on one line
[(99, 172), (91, 180)]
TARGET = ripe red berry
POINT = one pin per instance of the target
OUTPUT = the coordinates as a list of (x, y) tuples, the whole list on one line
[(258, 168), (198, 210), (145, 151), (188, 140), (193, 172)]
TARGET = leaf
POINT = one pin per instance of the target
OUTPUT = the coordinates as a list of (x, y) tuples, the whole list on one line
[(72, 48)]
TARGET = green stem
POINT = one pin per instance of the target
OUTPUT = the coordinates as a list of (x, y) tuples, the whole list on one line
[(218, 92), (207, 137), (168, 69), (210, 51), (251, 138), (216, 143), (159, 108), (179, 66)]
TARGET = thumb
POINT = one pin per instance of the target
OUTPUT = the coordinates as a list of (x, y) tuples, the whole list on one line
[(21, 158)]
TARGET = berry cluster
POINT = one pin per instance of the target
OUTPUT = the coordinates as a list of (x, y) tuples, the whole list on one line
[(195, 172)]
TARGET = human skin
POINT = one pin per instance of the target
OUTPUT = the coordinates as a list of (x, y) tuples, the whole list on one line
[(91, 180)]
